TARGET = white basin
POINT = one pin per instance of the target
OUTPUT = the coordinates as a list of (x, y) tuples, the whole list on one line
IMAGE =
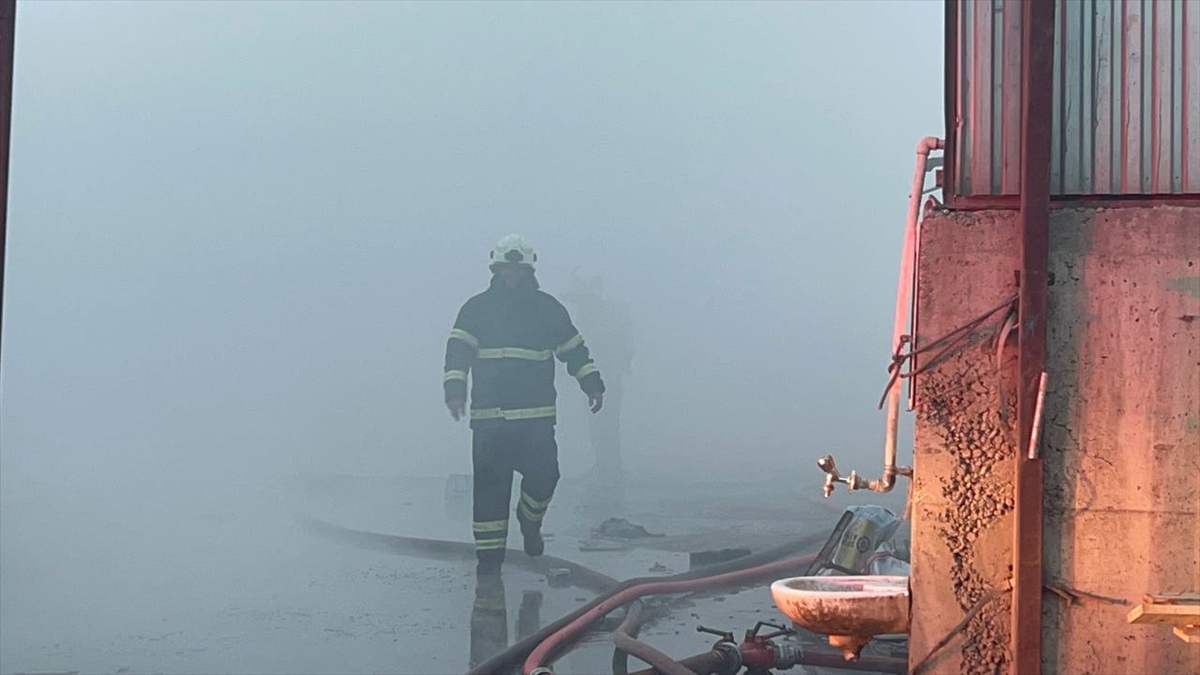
[(851, 610)]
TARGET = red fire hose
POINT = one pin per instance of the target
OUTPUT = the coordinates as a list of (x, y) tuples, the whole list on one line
[(542, 653)]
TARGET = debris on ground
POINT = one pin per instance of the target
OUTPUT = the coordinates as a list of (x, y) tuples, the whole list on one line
[(698, 559), (603, 545), (619, 528)]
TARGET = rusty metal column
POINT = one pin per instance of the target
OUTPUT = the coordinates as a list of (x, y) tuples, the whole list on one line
[(8, 17), (1037, 51)]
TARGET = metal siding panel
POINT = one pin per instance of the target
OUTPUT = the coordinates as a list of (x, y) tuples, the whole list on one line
[(1147, 138), (1102, 99), (1177, 74), (1057, 104), (1126, 97), (999, 82), (1087, 118), (1117, 94), (981, 101), (1190, 95), (965, 180), (1072, 109), (1164, 87), (1010, 127), (1131, 95)]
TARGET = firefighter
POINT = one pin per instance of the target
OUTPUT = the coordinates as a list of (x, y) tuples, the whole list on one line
[(609, 327), (506, 338)]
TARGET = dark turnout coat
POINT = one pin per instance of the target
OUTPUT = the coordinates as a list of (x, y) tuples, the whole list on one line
[(506, 340)]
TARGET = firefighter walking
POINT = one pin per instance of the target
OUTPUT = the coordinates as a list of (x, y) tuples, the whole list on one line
[(506, 339)]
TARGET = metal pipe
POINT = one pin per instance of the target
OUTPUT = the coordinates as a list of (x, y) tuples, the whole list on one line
[(1035, 434), (870, 664), (904, 293), (710, 661), (721, 661), (1036, 128)]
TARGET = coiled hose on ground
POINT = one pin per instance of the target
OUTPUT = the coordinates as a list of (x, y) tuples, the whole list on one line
[(626, 643), (505, 660), (541, 655)]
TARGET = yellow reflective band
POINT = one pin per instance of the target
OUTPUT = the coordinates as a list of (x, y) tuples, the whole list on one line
[(514, 353), (459, 334), (586, 370), (490, 526), (533, 503), (528, 515), (489, 544), (569, 345), (455, 375), (520, 414)]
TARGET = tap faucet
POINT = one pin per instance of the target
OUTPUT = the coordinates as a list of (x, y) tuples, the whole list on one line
[(855, 482), (832, 476)]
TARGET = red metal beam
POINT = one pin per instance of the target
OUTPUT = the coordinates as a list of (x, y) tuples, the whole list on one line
[(950, 105), (8, 18), (1036, 101), (1013, 202)]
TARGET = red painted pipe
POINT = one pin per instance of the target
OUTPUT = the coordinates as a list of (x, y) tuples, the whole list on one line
[(870, 664), (707, 663), (8, 19), (719, 661), (542, 653)]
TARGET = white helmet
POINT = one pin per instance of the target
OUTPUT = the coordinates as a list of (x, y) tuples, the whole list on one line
[(513, 249)]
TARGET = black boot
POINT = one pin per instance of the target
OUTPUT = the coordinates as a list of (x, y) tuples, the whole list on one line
[(489, 563), (532, 533), (534, 544)]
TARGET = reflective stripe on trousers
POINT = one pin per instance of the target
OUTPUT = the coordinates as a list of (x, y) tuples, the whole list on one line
[(531, 510), (490, 535)]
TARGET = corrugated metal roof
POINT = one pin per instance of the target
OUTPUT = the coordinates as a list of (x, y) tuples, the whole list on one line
[(1126, 97)]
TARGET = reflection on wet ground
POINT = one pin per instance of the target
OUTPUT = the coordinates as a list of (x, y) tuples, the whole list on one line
[(194, 579)]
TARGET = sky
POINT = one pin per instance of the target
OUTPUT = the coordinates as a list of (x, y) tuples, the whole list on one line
[(239, 232)]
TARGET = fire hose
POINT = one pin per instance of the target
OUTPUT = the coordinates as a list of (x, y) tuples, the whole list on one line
[(506, 659), (437, 549), (626, 643), (535, 664)]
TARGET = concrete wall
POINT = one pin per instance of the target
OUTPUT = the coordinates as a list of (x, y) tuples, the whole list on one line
[(1122, 438)]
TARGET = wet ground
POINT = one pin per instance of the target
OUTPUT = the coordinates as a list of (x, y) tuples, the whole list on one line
[(192, 578)]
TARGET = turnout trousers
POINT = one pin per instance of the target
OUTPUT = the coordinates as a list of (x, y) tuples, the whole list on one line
[(497, 450)]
